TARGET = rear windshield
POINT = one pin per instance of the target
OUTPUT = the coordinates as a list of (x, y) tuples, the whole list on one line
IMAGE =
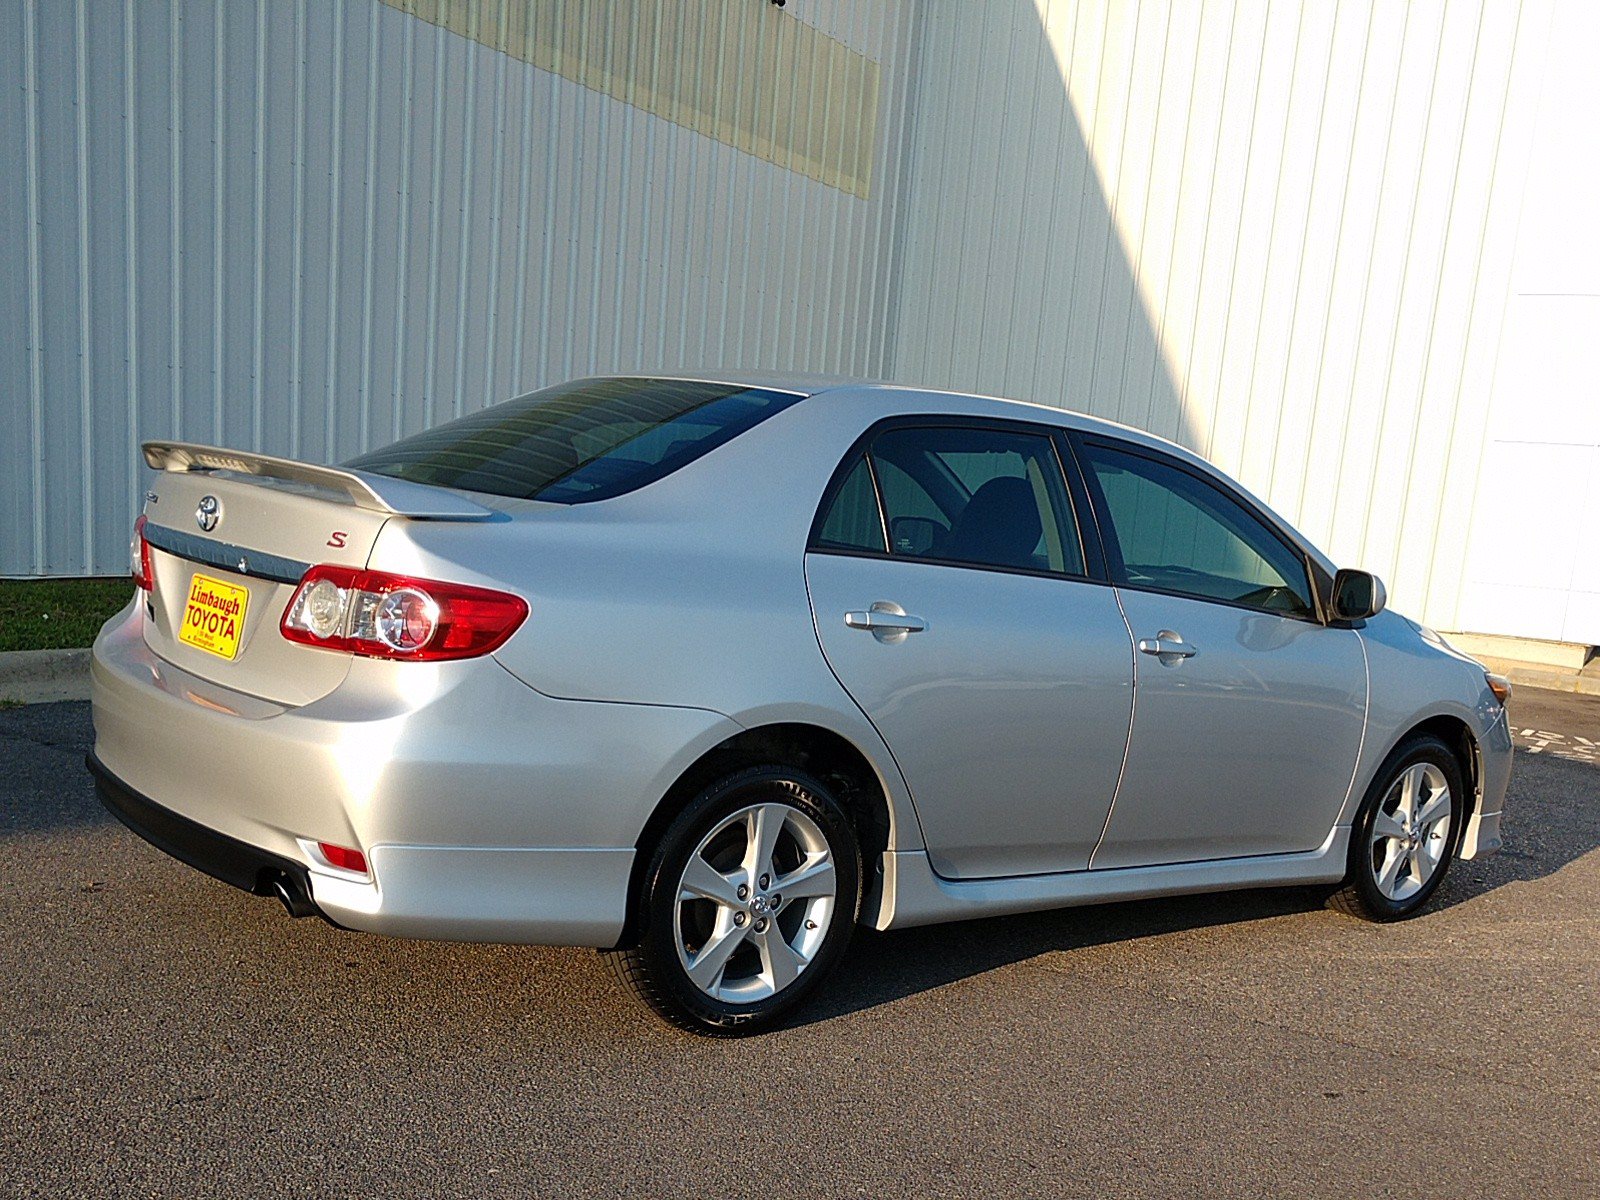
[(579, 441)]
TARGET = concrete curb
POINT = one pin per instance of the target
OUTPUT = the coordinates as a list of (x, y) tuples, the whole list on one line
[(43, 676)]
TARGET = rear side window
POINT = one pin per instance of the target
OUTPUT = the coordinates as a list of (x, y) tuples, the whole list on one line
[(575, 442), (1178, 533), (960, 495)]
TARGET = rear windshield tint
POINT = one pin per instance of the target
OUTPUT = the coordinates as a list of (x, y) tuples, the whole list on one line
[(580, 441)]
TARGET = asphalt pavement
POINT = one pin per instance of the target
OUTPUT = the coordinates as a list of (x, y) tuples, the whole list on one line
[(164, 1035)]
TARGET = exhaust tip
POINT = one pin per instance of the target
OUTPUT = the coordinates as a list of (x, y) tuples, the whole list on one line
[(293, 894)]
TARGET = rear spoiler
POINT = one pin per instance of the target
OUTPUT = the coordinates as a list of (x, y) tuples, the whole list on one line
[(377, 492)]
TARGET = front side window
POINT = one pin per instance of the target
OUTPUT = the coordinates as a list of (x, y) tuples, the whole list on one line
[(1178, 533), (977, 497), (588, 440)]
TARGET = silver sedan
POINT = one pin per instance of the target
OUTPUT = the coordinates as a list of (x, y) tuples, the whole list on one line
[(705, 672)]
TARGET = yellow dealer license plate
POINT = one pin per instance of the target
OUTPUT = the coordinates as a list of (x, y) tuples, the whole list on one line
[(213, 617)]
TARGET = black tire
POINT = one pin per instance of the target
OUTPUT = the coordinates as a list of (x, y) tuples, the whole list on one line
[(1359, 895), (652, 969)]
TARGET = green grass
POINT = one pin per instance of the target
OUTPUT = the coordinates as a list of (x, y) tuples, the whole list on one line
[(56, 614)]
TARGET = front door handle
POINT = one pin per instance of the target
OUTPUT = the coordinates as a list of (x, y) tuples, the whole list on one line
[(886, 621), (1167, 646)]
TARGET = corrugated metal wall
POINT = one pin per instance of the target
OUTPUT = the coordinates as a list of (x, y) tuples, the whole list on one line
[(308, 226), (1278, 233), (1283, 233), (705, 65)]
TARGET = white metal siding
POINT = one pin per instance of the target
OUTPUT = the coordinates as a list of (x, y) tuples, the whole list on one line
[(1277, 233), (307, 227), (1282, 233), (1532, 567)]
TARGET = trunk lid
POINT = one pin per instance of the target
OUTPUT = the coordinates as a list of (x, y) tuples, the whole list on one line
[(233, 532)]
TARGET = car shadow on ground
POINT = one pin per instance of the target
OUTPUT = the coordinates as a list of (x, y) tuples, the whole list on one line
[(881, 968), (1553, 820)]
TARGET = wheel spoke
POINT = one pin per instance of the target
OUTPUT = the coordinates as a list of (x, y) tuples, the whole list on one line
[(1387, 826), (1393, 857), (1410, 784), (779, 961), (1429, 854), (1437, 805), (707, 966), (1420, 868), (702, 881), (814, 878), (763, 826)]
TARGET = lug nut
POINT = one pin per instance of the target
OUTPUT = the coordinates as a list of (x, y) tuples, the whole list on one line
[(775, 899), (760, 925), (738, 918), (744, 892), (764, 880)]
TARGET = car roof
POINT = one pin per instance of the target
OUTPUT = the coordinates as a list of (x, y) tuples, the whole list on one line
[(799, 383), (809, 384), (970, 404)]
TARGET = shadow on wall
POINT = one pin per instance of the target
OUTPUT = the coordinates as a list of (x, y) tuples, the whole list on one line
[(1049, 310)]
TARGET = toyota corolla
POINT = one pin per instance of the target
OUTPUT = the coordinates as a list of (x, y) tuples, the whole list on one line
[(705, 672)]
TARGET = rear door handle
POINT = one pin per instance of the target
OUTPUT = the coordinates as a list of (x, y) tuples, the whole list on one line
[(886, 621), (1166, 646)]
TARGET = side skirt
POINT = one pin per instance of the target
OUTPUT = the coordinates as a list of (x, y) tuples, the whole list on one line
[(910, 893)]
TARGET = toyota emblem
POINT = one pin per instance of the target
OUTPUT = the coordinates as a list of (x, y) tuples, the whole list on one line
[(209, 514)]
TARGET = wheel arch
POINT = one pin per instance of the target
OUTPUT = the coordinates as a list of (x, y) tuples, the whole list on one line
[(829, 756), (1457, 734)]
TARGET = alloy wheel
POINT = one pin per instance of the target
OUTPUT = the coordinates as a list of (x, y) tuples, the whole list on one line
[(1411, 831), (754, 903)]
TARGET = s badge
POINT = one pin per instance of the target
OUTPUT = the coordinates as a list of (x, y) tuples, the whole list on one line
[(337, 540)]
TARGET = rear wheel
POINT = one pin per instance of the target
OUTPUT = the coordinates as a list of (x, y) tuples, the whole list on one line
[(747, 903), (1405, 834)]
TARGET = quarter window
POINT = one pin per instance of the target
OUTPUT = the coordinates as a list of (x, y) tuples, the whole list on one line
[(853, 521), (1178, 533)]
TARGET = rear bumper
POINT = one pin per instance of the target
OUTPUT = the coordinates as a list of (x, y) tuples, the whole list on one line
[(222, 857), (486, 810)]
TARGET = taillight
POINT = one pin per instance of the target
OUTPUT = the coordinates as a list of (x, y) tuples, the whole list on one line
[(144, 577), (379, 615)]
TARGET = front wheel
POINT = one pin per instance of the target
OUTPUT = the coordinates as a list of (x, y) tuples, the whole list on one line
[(747, 902), (1405, 833)]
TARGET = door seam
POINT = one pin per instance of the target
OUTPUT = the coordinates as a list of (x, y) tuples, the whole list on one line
[(1366, 722), (816, 632), (1133, 712)]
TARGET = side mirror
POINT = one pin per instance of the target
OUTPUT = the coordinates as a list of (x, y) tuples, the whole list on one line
[(915, 536), (1357, 595)]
